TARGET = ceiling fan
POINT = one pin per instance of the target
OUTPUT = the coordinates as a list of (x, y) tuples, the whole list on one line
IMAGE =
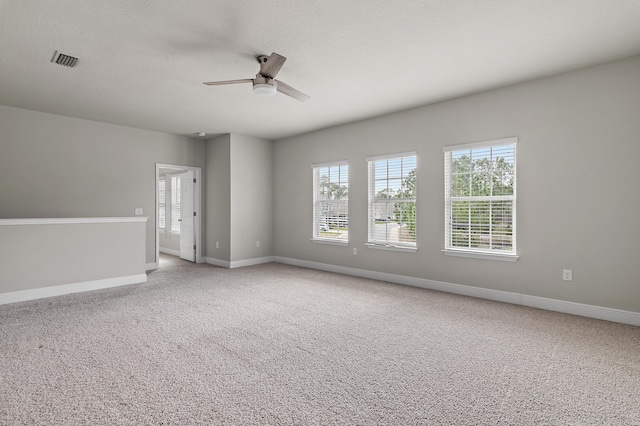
[(265, 82)]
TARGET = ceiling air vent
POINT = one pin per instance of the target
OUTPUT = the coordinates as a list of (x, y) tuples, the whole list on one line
[(62, 59)]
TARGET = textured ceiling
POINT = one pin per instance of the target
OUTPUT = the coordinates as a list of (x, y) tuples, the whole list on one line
[(142, 62)]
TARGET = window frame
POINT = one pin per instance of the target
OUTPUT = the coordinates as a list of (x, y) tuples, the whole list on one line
[(466, 251), (372, 240), (317, 210)]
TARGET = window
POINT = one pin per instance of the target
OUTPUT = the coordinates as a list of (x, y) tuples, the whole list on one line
[(392, 201), (175, 204), (480, 198), (162, 204), (331, 202)]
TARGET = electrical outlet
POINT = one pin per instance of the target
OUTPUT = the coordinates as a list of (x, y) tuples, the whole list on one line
[(217, 245), (567, 274), (258, 243), (138, 211), (355, 251)]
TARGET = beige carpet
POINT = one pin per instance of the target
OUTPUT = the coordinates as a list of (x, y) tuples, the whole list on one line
[(280, 345)]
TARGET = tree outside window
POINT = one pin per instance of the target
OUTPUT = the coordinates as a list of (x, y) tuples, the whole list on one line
[(480, 197)]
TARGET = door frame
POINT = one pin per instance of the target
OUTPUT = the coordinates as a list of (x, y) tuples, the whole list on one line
[(197, 208)]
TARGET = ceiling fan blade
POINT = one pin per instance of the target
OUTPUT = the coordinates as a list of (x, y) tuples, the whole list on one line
[(290, 91), (219, 83), (272, 66)]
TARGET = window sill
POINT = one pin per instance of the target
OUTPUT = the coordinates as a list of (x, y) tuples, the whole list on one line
[(331, 242), (391, 247), (481, 255)]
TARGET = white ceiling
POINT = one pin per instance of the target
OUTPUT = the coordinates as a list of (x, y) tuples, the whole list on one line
[(142, 62)]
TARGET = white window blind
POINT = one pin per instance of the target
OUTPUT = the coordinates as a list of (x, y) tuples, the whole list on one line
[(331, 201), (480, 197), (392, 200), (175, 204), (162, 204)]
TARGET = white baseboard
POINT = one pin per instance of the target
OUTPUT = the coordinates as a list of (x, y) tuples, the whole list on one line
[(59, 290), (590, 311), (239, 263), (151, 266), (217, 262), (251, 262), (172, 252)]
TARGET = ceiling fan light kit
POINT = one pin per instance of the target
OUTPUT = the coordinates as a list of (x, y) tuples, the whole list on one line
[(264, 86), (265, 82), (264, 89)]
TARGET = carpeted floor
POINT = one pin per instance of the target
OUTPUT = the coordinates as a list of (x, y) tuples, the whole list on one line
[(280, 345)]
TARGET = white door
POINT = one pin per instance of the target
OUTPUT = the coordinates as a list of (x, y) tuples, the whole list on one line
[(187, 220)]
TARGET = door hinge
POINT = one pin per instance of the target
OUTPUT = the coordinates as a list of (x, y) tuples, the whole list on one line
[(194, 180), (194, 213), (194, 246)]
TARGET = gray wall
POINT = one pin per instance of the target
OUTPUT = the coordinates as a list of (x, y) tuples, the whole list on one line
[(239, 198), (218, 198), (578, 197), (169, 241), (55, 166), (43, 255), (251, 197)]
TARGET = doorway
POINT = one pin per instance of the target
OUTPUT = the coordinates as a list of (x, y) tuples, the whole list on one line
[(178, 212)]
